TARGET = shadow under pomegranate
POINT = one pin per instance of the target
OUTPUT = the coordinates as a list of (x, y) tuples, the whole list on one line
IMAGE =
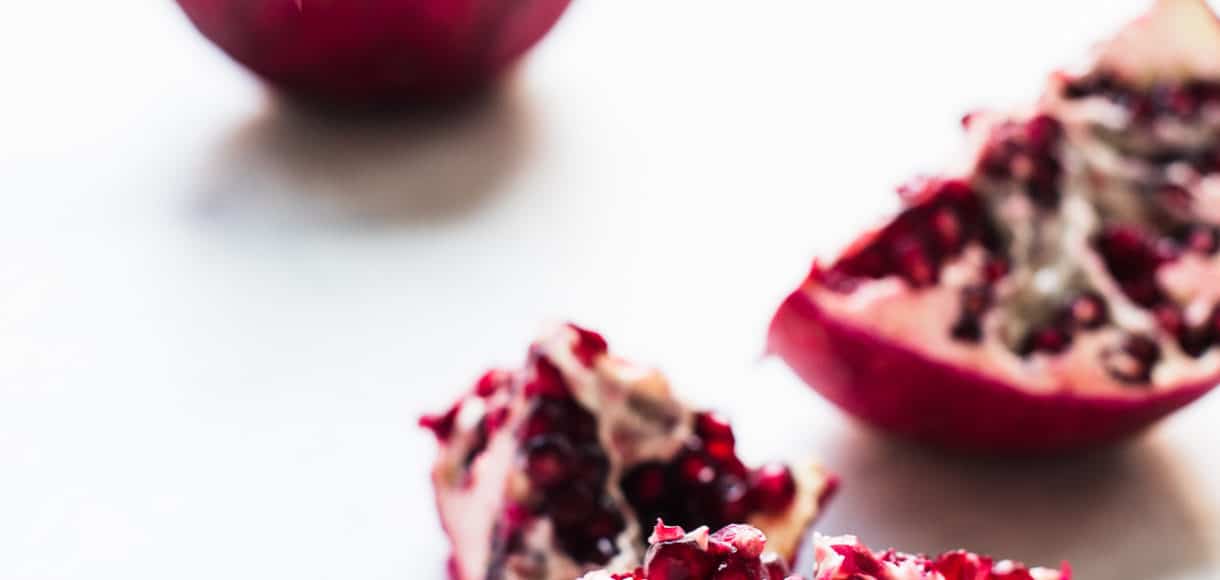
[(298, 166), (1138, 502)]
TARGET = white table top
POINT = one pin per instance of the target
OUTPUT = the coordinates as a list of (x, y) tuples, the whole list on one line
[(221, 318)]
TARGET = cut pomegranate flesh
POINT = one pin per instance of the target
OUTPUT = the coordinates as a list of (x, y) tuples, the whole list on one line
[(735, 552), (560, 468), (845, 558), (1061, 290), (375, 52)]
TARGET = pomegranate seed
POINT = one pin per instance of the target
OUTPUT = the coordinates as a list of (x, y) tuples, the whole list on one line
[(948, 230), (914, 263), (592, 466), (646, 483), (548, 460), (857, 560), (1144, 292), (1049, 340), (1170, 319), (746, 541), (976, 299), (1133, 360), (717, 436), (774, 487), (735, 500), (696, 470), (606, 523), (678, 561), (995, 268), (589, 345), (961, 565), (442, 425), (1202, 239), (571, 507), (1042, 132), (664, 533), (967, 329), (491, 382), (546, 382), (1175, 100), (496, 419), (713, 427), (1088, 311), (1175, 198)]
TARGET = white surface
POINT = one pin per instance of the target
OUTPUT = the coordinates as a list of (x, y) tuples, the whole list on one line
[(220, 319)]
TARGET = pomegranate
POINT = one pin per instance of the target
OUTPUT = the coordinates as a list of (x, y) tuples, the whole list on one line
[(1058, 290), (845, 558), (735, 552), (375, 52), (559, 468)]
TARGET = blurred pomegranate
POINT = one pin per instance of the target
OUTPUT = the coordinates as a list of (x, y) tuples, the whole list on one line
[(1062, 289), (845, 558), (375, 52), (563, 467)]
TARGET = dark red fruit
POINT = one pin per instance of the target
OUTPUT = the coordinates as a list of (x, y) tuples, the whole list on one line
[(845, 558), (523, 480), (375, 52), (1029, 302)]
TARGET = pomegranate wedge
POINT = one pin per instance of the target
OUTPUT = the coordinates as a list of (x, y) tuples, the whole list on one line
[(1062, 289), (563, 466)]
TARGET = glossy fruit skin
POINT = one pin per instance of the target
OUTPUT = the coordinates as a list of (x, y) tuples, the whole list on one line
[(375, 52), (899, 390)]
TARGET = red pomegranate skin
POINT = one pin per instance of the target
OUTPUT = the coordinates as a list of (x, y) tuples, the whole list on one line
[(902, 391), (375, 52)]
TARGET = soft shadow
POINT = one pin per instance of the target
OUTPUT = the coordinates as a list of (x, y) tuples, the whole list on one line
[(294, 164), (1131, 513)]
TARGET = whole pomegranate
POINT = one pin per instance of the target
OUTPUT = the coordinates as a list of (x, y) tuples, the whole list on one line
[(375, 52), (1062, 289), (845, 558), (562, 467)]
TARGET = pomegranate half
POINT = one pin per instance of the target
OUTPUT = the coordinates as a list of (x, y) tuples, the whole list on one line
[(375, 52), (845, 558), (563, 466), (1058, 290)]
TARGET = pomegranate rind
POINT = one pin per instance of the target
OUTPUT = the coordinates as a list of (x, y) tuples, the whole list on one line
[(899, 390), (375, 52)]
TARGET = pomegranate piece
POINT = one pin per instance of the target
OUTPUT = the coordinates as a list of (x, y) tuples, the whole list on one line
[(845, 558), (735, 552), (375, 52), (1060, 290), (563, 467)]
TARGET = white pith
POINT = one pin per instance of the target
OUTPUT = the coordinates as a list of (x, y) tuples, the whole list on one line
[(470, 500), (1178, 41), (828, 564)]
